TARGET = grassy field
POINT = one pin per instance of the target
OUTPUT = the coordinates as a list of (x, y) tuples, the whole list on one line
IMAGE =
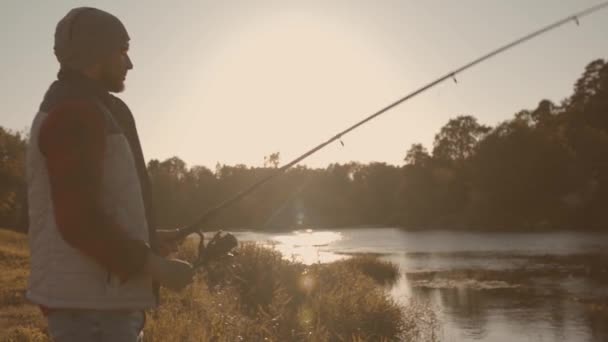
[(19, 320), (254, 296)]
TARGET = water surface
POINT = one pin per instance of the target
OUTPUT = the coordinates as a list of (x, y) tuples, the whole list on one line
[(484, 286)]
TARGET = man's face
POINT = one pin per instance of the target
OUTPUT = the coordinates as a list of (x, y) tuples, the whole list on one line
[(114, 71)]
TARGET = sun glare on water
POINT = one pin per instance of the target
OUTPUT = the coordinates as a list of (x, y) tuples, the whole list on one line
[(308, 246)]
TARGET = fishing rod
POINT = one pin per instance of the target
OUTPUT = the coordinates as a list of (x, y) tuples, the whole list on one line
[(195, 227)]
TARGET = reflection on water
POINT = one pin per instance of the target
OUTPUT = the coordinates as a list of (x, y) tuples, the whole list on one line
[(486, 286), (306, 246)]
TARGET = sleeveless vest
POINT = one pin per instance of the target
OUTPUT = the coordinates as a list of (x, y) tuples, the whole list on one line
[(61, 276)]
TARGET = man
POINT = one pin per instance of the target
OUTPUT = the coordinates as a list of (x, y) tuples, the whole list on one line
[(94, 254)]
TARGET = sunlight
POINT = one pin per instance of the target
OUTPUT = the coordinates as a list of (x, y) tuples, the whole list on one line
[(306, 246), (307, 283), (312, 70), (309, 237)]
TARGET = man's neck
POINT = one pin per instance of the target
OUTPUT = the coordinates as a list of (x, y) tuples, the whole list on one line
[(82, 80)]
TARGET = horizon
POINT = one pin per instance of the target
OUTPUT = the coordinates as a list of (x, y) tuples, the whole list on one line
[(245, 66)]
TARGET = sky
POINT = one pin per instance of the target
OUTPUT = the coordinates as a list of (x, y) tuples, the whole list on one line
[(230, 82)]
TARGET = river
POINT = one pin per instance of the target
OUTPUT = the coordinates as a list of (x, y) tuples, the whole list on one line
[(483, 286)]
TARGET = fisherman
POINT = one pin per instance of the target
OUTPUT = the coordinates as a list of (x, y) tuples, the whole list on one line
[(96, 258)]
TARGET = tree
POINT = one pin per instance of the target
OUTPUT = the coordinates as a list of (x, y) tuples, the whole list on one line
[(272, 160), (168, 191), (12, 178), (458, 138), (591, 83), (417, 155), (544, 112)]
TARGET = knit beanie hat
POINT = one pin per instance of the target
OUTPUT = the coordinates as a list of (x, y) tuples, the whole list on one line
[(86, 36)]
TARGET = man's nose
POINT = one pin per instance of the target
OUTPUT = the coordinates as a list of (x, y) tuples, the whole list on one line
[(129, 63)]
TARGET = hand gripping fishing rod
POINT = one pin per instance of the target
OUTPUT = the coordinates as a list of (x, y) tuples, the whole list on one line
[(196, 227)]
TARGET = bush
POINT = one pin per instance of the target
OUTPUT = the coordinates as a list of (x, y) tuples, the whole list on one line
[(260, 296)]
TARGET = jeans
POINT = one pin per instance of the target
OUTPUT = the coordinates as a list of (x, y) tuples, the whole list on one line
[(67, 325)]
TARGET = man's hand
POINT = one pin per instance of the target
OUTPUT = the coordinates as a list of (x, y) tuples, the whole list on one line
[(168, 241), (171, 273)]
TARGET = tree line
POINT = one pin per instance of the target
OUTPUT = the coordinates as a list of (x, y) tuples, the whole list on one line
[(545, 168)]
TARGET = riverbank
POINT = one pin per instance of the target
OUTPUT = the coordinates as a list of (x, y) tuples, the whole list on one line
[(257, 295)]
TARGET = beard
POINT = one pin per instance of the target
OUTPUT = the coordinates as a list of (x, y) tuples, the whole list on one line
[(112, 78)]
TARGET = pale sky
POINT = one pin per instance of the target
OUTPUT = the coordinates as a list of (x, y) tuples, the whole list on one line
[(233, 81)]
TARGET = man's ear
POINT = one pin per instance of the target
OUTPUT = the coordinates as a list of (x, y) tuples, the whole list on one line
[(93, 71)]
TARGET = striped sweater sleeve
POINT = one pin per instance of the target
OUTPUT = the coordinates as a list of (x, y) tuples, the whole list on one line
[(72, 139)]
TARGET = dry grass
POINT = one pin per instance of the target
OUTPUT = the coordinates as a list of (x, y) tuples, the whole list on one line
[(259, 296), (19, 320), (383, 272), (256, 296)]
